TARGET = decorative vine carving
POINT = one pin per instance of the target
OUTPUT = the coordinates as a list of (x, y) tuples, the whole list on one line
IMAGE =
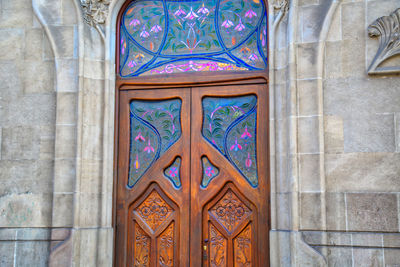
[(142, 247), (243, 248), (95, 11), (166, 247), (154, 210), (230, 211), (387, 28), (218, 248)]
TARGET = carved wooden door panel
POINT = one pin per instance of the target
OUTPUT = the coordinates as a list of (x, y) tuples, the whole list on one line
[(153, 178), (192, 184), (229, 182)]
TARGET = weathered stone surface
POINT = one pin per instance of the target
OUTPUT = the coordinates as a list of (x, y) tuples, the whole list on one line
[(32, 253), (34, 44), (309, 169), (312, 19), (66, 138), (308, 136), (335, 211), (38, 76), (7, 253), (335, 30), (357, 96), (353, 20), (372, 172), (333, 60), (16, 18), (63, 216), (368, 257), (20, 143), (392, 257), (353, 57), (308, 97), (310, 214), (372, 133), (283, 213), (397, 134), (333, 134), (31, 110), (11, 44), (69, 16), (306, 60), (67, 107), (339, 256), (25, 210), (372, 212)]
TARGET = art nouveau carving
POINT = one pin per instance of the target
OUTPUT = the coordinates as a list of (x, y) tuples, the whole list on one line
[(387, 28), (95, 11)]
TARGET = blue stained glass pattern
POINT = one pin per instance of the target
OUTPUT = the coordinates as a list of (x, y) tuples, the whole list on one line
[(154, 127), (173, 172), (171, 36), (229, 124), (209, 172)]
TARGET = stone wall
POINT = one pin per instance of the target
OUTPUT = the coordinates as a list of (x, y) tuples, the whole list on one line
[(357, 198), (335, 134), (27, 133)]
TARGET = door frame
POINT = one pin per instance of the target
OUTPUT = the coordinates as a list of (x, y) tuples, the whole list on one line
[(186, 81)]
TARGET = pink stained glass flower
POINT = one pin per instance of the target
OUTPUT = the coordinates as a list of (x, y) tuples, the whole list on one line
[(132, 64), (240, 27), (236, 146), (134, 22), (173, 172), (144, 33), (156, 28), (250, 13), (139, 136), (179, 12), (253, 57), (203, 10), (191, 15), (227, 24), (248, 161), (136, 163), (210, 171), (148, 148), (245, 134)]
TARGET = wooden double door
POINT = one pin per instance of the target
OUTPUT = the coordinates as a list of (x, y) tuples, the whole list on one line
[(192, 177)]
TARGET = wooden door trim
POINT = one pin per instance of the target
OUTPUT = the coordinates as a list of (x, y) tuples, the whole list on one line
[(177, 196), (259, 196)]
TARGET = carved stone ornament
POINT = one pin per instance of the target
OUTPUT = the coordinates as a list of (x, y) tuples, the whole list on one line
[(95, 12), (387, 28)]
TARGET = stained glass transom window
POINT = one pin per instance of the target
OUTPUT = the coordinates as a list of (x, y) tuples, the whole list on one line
[(154, 127), (172, 36), (229, 125)]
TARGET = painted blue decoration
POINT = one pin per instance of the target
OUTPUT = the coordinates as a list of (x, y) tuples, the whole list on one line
[(229, 125), (209, 172), (173, 172), (170, 36), (154, 126)]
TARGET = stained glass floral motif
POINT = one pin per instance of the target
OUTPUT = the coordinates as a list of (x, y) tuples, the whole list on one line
[(209, 172), (170, 36), (154, 127), (173, 172), (229, 124)]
